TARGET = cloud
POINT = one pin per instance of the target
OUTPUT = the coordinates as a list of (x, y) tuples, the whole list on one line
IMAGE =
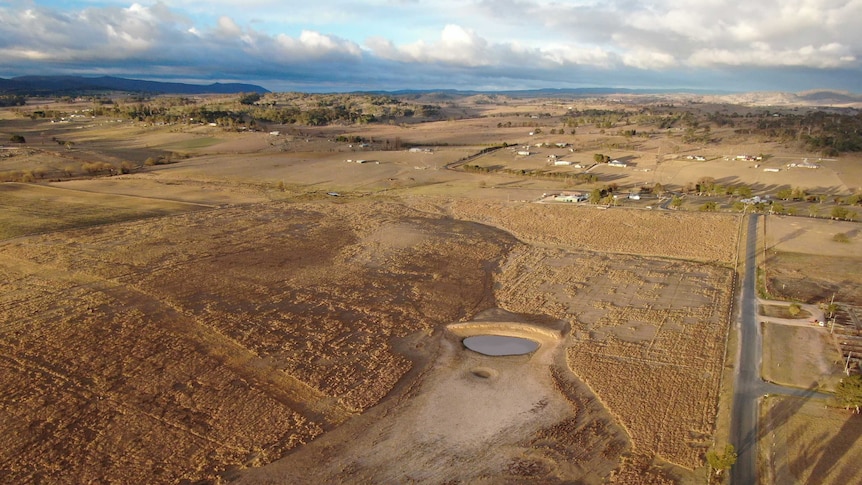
[(761, 54), (154, 35), (407, 43), (456, 45)]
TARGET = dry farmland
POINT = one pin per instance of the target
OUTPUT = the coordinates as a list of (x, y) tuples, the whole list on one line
[(249, 307), (648, 337), (209, 338), (806, 442)]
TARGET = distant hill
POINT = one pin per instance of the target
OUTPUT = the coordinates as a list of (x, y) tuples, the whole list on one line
[(544, 93), (71, 85), (812, 99)]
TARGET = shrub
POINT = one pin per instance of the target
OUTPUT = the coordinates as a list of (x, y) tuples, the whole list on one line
[(794, 309), (841, 237), (97, 167)]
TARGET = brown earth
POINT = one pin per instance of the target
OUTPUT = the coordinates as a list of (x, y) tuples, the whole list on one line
[(300, 308), (805, 264), (470, 418), (222, 318), (803, 357), (233, 336), (809, 442)]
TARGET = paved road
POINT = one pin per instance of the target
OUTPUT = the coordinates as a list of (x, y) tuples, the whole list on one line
[(743, 418), (749, 387)]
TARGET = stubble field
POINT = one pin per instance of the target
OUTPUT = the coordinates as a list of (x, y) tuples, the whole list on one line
[(237, 335), (221, 318), (215, 337)]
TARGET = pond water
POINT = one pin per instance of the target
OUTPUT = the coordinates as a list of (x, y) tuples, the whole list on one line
[(500, 345)]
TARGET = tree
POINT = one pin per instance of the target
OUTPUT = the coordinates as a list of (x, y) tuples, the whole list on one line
[(595, 196), (785, 193), (17, 139), (705, 185), (794, 309), (777, 208), (743, 191), (838, 212), (249, 98), (601, 158), (849, 392), (722, 461), (709, 207), (676, 202)]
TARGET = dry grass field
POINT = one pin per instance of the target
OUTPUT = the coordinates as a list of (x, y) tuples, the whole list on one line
[(805, 263), (708, 237), (808, 442), (205, 339), (815, 360), (30, 209), (648, 337), (250, 307)]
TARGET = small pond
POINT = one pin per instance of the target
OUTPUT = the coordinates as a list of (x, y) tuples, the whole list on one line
[(500, 345)]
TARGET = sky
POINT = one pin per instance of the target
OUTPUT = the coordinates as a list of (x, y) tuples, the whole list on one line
[(354, 45)]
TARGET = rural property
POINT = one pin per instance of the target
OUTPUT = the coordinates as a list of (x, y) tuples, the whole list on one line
[(201, 290)]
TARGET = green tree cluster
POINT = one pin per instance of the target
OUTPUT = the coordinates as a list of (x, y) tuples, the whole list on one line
[(721, 461), (601, 158), (848, 393)]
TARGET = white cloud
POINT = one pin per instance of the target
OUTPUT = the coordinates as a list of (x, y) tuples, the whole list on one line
[(456, 46), (761, 54), (227, 28), (647, 59), (312, 45), (491, 41)]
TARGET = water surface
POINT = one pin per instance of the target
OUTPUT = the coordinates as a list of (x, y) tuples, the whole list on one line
[(500, 345)]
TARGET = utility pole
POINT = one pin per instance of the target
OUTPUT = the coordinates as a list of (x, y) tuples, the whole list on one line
[(847, 364)]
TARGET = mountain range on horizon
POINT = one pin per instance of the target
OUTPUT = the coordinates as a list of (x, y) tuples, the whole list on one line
[(66, 85), (76, 85)]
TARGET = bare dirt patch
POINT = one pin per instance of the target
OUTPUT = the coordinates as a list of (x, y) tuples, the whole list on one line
[(466, 420)]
